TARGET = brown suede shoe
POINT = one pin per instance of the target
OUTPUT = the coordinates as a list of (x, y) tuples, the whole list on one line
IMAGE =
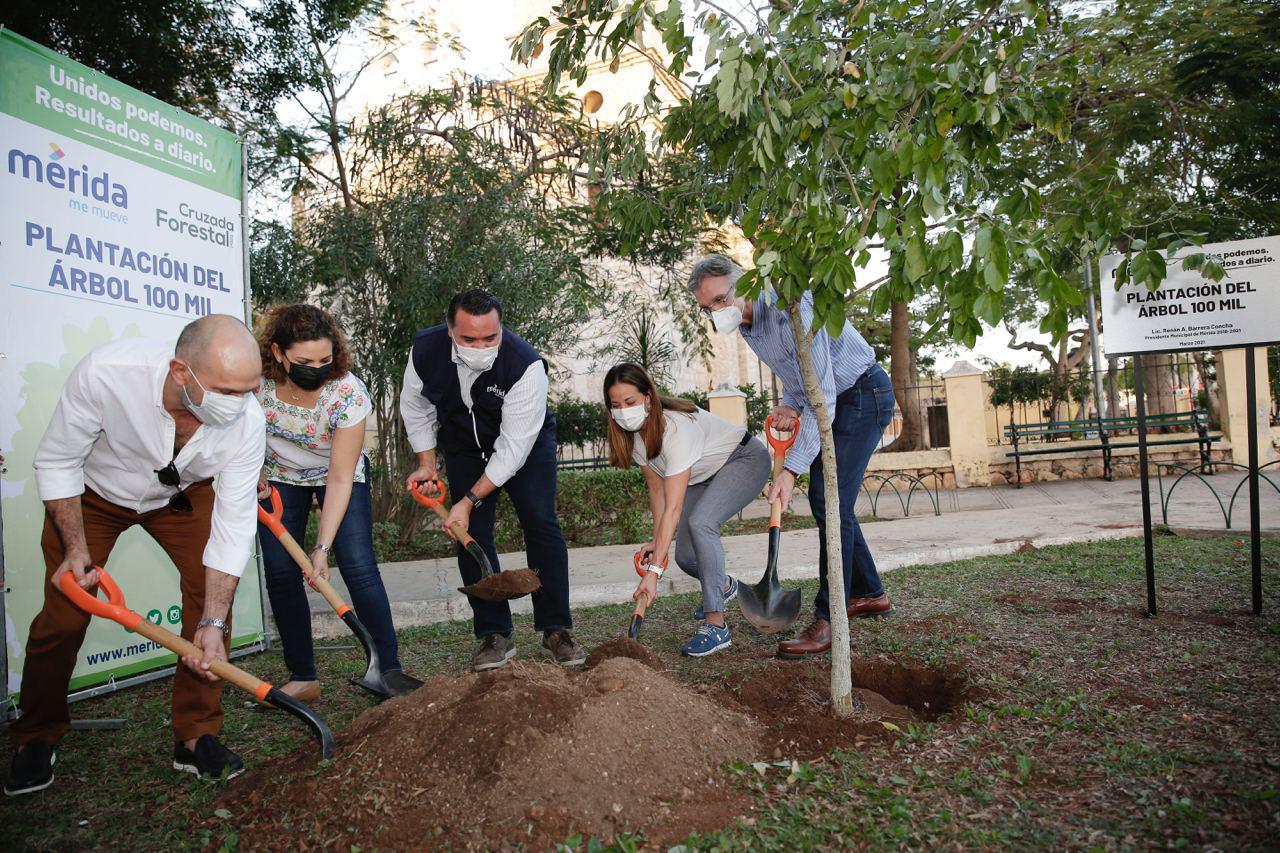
[(563, 648), (814, 640), (875, 606)]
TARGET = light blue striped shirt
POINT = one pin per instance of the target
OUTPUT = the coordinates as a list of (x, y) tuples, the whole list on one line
[(840, 363)]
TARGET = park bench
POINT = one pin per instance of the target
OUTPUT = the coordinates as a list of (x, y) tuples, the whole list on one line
[(590, 463), (1103, 429)]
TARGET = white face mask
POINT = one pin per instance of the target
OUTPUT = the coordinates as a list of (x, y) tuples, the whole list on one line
[(727, 319), (631, 418), (217, 408), (478, 358)]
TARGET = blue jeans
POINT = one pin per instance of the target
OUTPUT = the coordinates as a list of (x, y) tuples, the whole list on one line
[(532, 491), (353, 548), (862, 413)]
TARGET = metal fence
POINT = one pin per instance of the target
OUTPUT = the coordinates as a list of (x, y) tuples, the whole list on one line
[(1174, 383)]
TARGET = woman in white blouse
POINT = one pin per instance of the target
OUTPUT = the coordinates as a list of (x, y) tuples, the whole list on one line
[(701, 470), (316, 411)]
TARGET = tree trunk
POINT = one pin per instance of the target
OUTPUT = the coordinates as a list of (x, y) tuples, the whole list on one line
[(841, 675), (1160, 385), (903, 372), (1210, 393), (1113, 384)]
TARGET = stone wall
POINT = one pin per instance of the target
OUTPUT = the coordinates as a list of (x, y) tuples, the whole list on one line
[(1087, 465)]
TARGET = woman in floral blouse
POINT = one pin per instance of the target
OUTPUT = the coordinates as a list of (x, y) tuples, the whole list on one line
[(316, 411)]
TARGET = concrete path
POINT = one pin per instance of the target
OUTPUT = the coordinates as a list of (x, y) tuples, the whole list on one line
[(972, 523)]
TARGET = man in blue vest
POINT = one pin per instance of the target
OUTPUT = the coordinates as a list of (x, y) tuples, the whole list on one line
[(485, 390)]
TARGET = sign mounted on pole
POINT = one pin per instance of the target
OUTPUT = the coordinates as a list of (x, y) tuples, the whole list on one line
[(122, 217), (1191, 312)]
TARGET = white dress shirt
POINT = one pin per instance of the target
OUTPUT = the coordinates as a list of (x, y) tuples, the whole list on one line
[(523, 411), (111, 432)]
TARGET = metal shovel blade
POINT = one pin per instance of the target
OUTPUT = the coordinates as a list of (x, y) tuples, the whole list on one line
[(319, 730), (372, 680), (766, 606)]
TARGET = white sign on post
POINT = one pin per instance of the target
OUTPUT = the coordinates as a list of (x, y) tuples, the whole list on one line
[(1191, 312)]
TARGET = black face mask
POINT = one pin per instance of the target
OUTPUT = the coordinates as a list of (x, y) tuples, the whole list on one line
[(306, 377)]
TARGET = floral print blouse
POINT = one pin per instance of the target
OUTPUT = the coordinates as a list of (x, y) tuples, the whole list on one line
[(299, 439)]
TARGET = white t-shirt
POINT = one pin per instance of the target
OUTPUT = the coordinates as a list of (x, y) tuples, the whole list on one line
[(698, 443), (299, 440)]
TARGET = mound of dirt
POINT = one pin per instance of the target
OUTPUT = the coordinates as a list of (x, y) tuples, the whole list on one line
[(523, 756), (623, 647)]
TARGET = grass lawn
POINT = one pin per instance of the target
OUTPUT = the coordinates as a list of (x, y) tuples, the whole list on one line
[(1086, 725)]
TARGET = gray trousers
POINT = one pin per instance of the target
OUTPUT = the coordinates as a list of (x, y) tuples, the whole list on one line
[(709, 504)]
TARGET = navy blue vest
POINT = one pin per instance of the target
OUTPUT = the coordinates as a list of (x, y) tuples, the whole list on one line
[(472, 432)]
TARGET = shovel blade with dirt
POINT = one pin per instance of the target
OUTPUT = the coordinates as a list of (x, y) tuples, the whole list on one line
[(766, 606), (114, 608), (372, 680), (493, 585)]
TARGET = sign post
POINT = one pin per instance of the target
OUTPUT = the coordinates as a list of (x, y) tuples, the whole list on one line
[(1189, 312), (122, 217)]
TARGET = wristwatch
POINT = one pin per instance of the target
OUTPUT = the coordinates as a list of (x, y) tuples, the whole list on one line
[(471, 496), (220, 624)]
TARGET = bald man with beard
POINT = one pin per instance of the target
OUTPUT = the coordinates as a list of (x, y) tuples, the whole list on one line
[(141, 430)]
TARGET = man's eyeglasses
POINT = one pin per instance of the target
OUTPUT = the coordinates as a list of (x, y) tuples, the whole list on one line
[(721, 301), (169, 476)]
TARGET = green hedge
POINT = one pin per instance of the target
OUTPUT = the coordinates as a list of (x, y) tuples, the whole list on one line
[(595, 507)]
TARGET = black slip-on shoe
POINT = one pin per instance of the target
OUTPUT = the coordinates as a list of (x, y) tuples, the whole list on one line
[(209, 760), (31, 769)]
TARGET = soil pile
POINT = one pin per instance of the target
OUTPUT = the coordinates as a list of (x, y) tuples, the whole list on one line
[(526, 755), (623, 647)]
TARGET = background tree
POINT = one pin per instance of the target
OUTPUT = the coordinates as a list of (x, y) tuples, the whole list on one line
[(445, 191)]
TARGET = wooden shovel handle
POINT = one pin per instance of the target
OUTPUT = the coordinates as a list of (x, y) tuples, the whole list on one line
[(779, 446), (436, 503), (273, 521), (114, 608)]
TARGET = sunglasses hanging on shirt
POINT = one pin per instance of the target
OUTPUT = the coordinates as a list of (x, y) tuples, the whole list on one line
[(169, 476)]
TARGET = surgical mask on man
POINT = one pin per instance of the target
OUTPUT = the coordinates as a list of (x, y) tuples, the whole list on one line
[(217, 408), (631, 418), (727, 319), (479, 359)]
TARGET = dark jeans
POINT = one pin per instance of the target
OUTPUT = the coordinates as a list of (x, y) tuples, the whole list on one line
[(862, 413), (353, 548), (533, 495)]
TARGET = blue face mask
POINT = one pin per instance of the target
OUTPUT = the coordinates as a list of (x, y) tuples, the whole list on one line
[(217, 408)]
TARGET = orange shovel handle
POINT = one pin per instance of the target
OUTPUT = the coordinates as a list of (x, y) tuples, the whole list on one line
[(436, 503), (114, 609), (274, 522), (642, 561), (776, 441)]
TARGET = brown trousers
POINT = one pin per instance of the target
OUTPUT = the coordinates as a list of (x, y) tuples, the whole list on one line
[(58, 630)]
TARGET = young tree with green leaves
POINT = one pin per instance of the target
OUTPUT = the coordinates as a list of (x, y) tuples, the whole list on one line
[(821, 126)]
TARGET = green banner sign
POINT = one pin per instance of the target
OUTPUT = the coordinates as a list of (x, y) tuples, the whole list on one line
[(47, 89)]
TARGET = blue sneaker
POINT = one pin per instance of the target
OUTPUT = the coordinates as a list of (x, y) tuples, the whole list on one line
[(706, 640), (729, 595)]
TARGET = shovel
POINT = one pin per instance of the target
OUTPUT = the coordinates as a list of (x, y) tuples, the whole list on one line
[(767, 606), (637, 618), (493, 585), (372, 679), (114, 609)]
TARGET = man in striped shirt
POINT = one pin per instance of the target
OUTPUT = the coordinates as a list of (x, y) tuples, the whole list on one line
[(860, 401)]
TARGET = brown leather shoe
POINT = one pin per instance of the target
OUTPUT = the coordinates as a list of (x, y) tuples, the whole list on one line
[(874, 606), (814, 640)]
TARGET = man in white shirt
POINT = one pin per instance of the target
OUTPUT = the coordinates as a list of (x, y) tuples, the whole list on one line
[(139, 433), (485, 390)]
